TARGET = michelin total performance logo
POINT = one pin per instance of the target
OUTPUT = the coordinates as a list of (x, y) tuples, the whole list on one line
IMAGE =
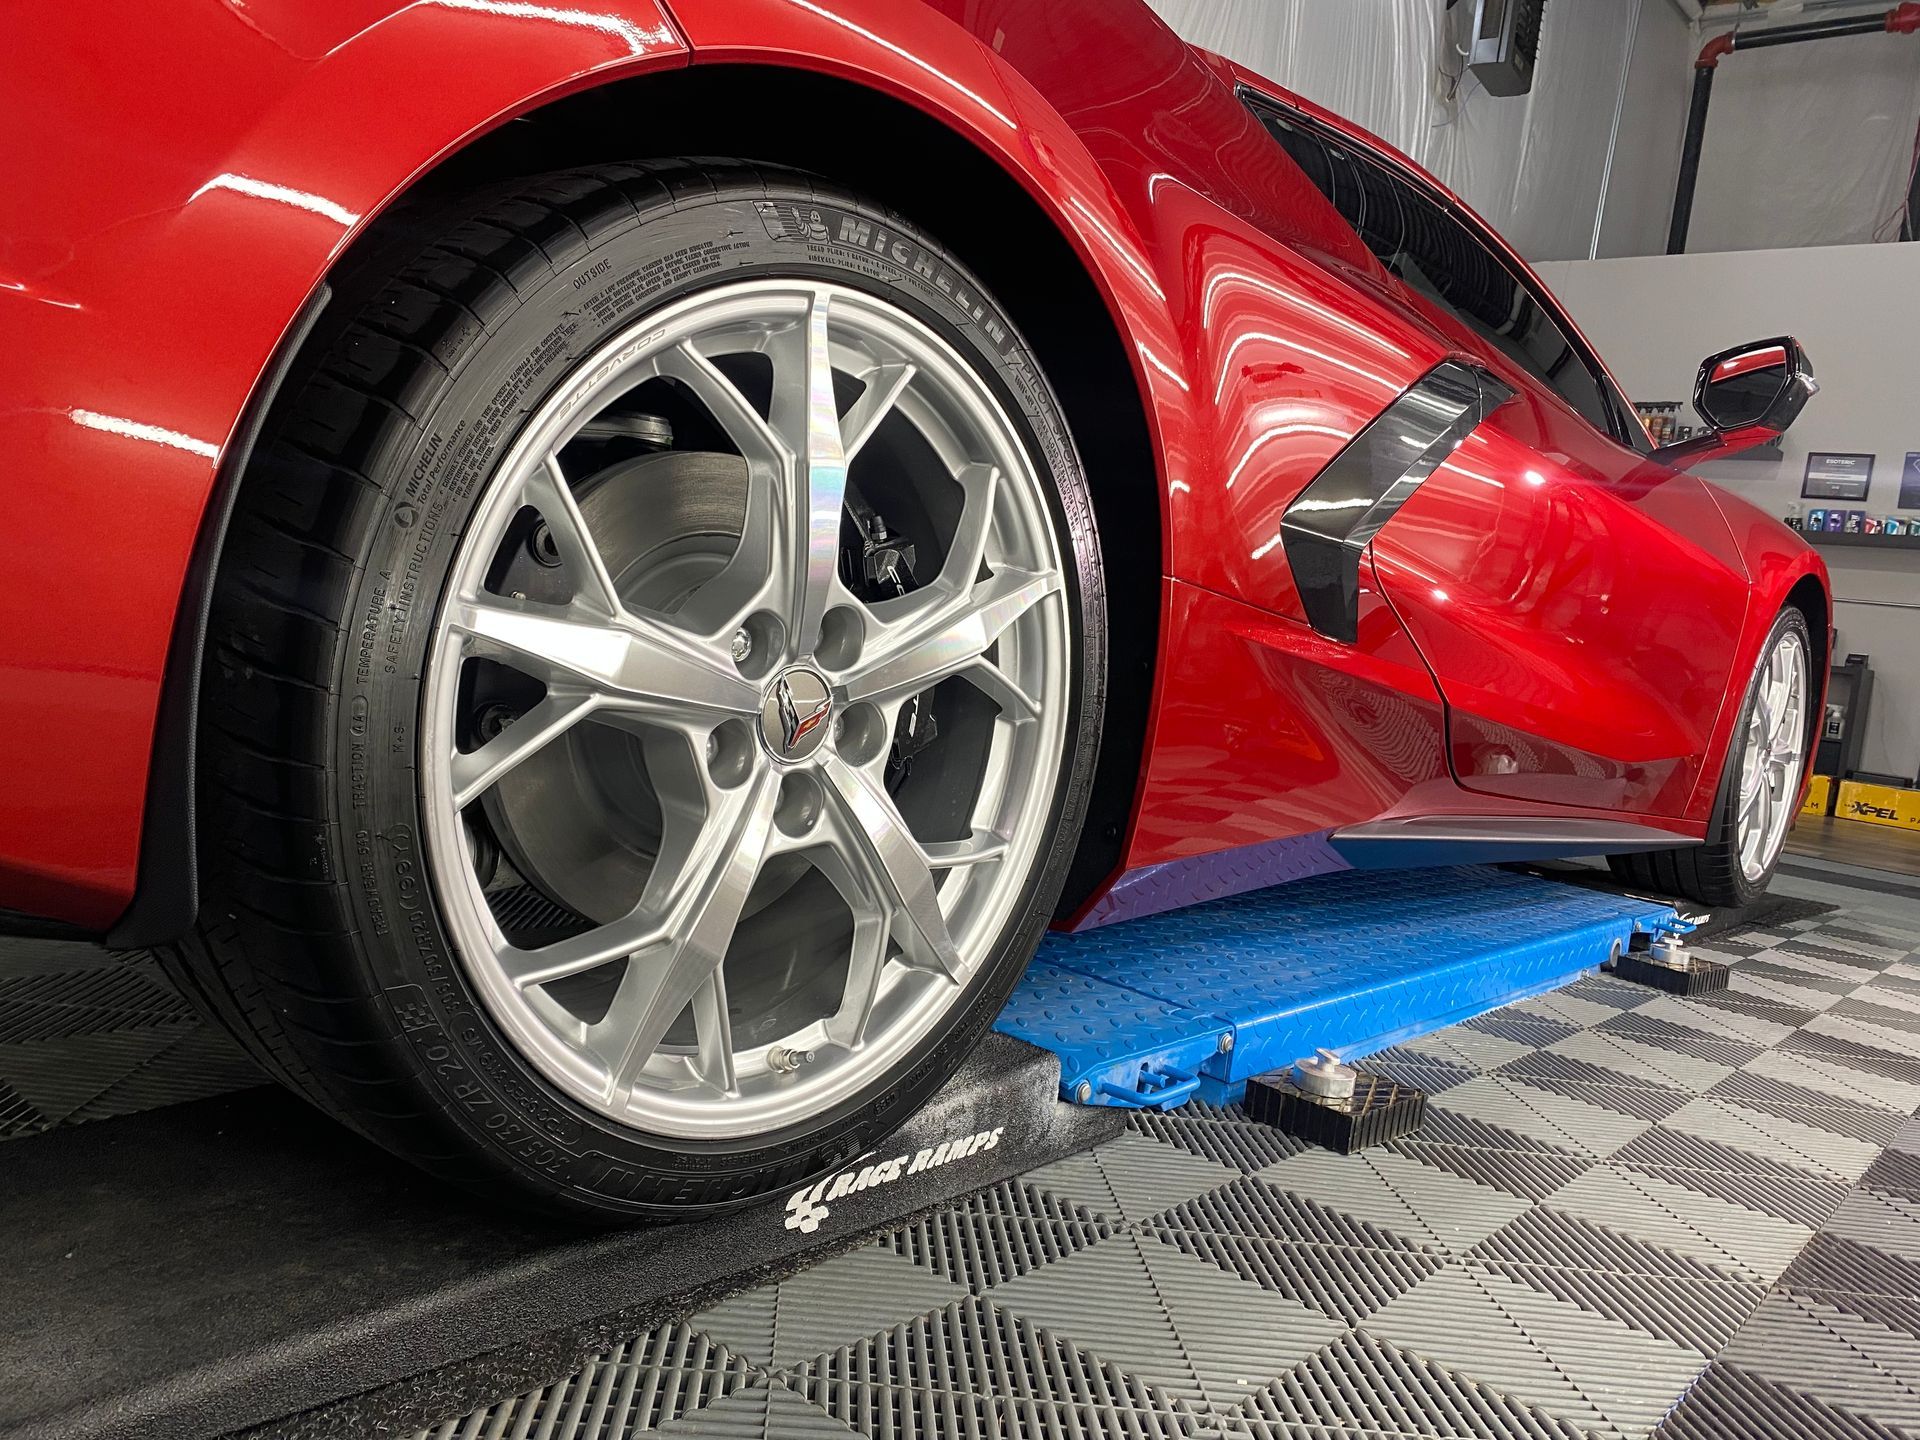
[(807, 1208)]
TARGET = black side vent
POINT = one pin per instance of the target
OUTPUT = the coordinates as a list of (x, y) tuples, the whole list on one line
[(1331, 522), (1506, 42)]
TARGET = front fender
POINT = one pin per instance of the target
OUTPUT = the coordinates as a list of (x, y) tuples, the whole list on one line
[(180, 179), (1778, 563)]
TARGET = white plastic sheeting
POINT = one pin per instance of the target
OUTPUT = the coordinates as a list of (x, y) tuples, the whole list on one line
[(1807, 144), (1531, 164)]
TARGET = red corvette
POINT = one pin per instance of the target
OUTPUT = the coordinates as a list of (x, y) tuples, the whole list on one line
[(597, 571)]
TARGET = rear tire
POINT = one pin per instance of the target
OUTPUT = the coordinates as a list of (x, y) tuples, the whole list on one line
[(324, 941), (1729, 869)]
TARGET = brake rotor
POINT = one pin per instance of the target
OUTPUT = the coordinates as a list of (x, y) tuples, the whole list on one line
[(580, 818)]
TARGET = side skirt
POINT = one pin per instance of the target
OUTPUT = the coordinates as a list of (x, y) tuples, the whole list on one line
[(1489, 839)]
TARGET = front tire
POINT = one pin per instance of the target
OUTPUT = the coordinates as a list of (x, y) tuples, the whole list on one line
[(654, 684), (1759, 789)]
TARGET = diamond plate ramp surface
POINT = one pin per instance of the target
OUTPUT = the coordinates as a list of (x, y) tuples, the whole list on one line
[(1350, 962)]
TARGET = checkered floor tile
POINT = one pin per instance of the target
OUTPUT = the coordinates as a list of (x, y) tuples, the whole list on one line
[(87, 1035), (1626, 1215)]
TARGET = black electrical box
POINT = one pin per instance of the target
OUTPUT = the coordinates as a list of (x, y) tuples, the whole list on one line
[(1506, 41)]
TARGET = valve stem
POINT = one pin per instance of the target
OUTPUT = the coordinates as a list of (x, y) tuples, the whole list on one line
[(784, 1061)]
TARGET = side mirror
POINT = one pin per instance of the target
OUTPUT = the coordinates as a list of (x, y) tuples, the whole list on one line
[(1747, 395)]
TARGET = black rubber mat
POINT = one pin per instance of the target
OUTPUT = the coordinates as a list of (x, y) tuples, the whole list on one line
[(202, 1268)]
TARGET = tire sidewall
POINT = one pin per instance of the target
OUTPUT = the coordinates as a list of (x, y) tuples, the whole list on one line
[(434, 472)]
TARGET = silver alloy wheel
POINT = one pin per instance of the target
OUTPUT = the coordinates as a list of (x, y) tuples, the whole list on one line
[(761, 699), (1772, 755)]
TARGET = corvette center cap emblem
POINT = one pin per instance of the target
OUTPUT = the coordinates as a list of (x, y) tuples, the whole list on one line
[(793, 720)]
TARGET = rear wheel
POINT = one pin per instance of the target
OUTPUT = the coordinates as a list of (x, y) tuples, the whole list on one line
[(1759, 789), (654, 695)]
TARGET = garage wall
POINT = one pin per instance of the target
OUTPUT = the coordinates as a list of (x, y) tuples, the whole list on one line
[(1653, 125), (1806, 144), (1532, 164), (1857, 311)]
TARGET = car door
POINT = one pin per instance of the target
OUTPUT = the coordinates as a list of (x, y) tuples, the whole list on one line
[(1578, 603)]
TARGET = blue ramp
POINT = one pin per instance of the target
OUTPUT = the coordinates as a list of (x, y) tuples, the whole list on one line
[(1150, 1012)]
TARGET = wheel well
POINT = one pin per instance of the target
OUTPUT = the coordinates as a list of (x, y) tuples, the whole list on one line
[(904, 159), (1809, 597)]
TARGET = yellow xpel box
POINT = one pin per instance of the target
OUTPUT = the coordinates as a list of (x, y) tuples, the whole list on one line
[(1879, 804), (1819, 796)]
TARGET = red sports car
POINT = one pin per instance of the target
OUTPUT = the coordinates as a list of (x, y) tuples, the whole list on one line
[(597, 571)]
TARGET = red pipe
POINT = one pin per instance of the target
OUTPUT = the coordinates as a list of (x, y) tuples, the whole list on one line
[(1902, 19), (1719, 45)]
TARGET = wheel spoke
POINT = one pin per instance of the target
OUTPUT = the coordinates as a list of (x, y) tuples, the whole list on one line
[(1016, 704), (547, 491), (703, 905), (867, 955), (577, 954), (1752, 769), (1786, 722), (946, 636), (718, 606), (968, 550), (633, 662), (885, 385), (479, 770), (797, 474), (877, 843), (731, 410), (713, 1034), (806, 417), (866, 963), (977, 849)]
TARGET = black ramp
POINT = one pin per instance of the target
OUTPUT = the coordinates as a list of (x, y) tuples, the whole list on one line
[(210, 1267)]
